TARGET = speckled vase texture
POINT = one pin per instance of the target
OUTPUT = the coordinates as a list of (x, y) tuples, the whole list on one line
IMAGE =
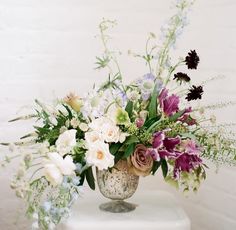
[(117, 183)]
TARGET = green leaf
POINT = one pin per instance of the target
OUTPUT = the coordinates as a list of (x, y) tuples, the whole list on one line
[(68, 111), (164, 167), (131, 140), (90, 178), (176, 115), (188, 135), (82, 178), (152, 109), (118, 156), (114, 148), (129, 150), (156, 165), (151, 121), (129, 108)]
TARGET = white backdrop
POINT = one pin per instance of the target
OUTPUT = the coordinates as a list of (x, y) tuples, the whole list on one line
[(48, 48)]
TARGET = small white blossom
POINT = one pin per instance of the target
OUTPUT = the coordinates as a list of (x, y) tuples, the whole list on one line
[(83, 126), (74, 123), (133, 95)]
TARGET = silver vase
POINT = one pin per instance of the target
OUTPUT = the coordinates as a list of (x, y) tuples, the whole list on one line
[(117, 184)]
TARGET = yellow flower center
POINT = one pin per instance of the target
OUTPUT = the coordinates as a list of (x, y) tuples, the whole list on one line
[(100, 155)]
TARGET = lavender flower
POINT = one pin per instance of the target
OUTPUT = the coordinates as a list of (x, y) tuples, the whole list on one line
[(146, 85)]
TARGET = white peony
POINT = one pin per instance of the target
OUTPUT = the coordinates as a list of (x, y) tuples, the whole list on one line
[(99, 155), (66, 141), (53, 174)]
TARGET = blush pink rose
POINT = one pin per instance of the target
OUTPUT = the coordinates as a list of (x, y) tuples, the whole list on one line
[(140, 163)]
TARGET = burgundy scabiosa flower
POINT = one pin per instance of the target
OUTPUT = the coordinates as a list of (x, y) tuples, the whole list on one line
[(181, 77), (195, 93), (169, 104), (192, 60)]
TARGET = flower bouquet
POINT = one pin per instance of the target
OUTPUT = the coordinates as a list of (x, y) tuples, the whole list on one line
[(124, 131)]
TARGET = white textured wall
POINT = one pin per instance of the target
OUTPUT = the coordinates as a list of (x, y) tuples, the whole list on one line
[(47, 48)]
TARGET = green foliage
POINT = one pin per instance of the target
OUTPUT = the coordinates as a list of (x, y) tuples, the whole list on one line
[(156, 165), (164, 167), (90, 178), (177, 115), (129, 150), (152, 109), (102, 62), (129, 108)]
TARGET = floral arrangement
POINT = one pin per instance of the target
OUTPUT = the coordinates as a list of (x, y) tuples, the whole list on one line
[(149, 122)]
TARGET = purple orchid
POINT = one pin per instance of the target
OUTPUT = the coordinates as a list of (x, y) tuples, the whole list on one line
[(169, 104)]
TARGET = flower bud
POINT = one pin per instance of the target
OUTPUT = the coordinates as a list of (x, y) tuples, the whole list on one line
[(73, 101)]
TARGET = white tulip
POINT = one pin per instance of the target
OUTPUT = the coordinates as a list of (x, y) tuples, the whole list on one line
[(66, 141), (99, 155)]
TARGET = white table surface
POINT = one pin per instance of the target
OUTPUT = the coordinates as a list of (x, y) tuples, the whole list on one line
[(157, 210)]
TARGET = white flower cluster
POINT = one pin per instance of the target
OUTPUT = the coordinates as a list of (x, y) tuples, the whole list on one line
[(55, 167), (102, 131)]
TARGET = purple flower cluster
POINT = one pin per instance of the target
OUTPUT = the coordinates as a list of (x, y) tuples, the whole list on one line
[(185, 154)]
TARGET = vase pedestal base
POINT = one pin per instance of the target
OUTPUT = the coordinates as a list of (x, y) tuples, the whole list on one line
[(117, 206)]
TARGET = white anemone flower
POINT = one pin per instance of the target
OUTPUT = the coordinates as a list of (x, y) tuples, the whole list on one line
[(66, 141), (99, 155)]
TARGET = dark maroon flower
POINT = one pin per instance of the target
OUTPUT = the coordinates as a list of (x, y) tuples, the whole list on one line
[(192, 60), (169, 104), (181, 77), (158, 138), (187, 119), (195, 93)]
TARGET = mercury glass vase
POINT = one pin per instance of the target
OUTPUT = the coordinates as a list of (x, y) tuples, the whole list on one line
[(117, 184)]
